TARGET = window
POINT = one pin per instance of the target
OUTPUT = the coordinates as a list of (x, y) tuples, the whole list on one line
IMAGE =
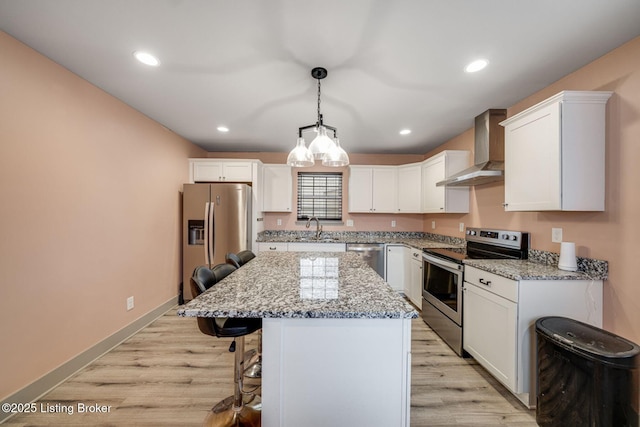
[(320, 195)]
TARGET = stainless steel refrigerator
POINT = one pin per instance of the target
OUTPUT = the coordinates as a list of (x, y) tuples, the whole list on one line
[(216, 219)]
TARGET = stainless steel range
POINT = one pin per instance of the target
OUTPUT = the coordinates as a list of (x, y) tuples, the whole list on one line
[(443, 277)]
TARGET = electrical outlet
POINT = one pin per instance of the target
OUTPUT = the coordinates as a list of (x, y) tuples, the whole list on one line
[(556, 235), (279, 221), (393, 223), (129, 303), (433, 225), (461, 226), (349, 223)]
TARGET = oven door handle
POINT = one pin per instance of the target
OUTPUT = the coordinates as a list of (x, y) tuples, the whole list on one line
[(442, 262)]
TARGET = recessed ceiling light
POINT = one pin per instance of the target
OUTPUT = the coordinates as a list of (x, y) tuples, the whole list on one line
[(146, 58), (476, 65), (223, 129), (405, 131)]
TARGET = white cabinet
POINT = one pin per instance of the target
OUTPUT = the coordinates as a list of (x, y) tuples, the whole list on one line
[(277, 187), (205, 170), (410, 188), (444, 199), (373, 189), (413, 281), (490, 331), (555, 154), (273, 246), (395, 267), (316, 247), (499, 321)]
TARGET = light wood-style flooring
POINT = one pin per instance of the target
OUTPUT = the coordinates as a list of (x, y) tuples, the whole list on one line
[(170, 374)]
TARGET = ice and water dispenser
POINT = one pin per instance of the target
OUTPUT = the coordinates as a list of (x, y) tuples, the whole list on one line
[(196, 232)]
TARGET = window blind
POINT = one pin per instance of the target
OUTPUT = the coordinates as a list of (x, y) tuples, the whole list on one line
[(320, 195)]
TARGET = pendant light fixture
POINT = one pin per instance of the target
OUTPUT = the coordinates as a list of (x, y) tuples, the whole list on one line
[(322, 147)]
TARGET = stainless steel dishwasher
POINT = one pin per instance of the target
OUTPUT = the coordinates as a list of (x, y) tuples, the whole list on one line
[(371, 253)]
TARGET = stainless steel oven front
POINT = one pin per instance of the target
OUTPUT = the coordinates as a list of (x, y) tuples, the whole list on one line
[(442, 282)]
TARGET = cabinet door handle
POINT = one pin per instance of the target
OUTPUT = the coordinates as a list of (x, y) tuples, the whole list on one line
[(485, 282), (271, 248)]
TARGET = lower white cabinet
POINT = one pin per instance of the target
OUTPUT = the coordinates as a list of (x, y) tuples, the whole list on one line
[(490, 332), (395, 267), (316, 247), (273, 246), (413, 282), (499, 321), (301, 247)]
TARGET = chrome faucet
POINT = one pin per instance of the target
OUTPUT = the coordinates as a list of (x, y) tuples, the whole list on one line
[(318, 226)]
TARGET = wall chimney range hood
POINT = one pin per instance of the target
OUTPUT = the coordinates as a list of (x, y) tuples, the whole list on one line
[(488, 153)]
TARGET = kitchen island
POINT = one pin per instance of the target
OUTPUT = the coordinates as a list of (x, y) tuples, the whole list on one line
[(336, 338)]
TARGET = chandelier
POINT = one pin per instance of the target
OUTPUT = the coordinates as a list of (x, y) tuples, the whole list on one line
[(323, 147)]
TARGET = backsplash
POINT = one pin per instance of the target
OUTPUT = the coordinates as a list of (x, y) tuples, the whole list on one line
[(592, 267)]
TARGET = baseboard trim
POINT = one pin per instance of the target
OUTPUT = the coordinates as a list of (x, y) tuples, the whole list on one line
[(46, 383)]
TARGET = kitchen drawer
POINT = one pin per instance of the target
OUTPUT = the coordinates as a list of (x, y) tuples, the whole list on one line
[(493, 283), (273, 246)]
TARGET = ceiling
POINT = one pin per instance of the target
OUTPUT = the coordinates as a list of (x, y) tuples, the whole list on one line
[(392, 65)]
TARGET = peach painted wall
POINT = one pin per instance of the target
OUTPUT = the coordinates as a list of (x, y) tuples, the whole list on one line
[(613, 235), (90, 214)]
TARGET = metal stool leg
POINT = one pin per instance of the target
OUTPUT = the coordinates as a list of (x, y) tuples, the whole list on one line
[(232, 411), (254, 365)]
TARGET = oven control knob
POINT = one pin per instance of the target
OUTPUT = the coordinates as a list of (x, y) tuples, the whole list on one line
[(472, 232), (514, 237), (505, 237)]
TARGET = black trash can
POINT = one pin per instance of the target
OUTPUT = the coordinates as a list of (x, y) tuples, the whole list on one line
[(586, 376)]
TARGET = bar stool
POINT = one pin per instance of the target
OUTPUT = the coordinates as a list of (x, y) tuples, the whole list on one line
[(232, 411), (239, 259), (252, 357)]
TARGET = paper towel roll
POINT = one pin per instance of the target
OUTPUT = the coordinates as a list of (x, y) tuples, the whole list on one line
[(567, 259)]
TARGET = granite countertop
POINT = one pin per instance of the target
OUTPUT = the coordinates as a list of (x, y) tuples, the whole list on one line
[(302, 285), (413, 239), (530, 270)]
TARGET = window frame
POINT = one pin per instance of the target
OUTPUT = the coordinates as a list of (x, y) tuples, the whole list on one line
[(327, 214)]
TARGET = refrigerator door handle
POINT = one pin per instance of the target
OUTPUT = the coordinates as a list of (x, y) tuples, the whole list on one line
[(206, 234), (212, 236)]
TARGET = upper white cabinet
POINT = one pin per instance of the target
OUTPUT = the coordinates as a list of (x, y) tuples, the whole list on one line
[(277, 187), (555, 154), (410, 188), (373, 189), (206, 170), (444, 199)]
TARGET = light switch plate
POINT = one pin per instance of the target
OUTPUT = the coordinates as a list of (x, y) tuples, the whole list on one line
[(556, 235), (349, 223), (461, 228), (433, 225), (393, 223)]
